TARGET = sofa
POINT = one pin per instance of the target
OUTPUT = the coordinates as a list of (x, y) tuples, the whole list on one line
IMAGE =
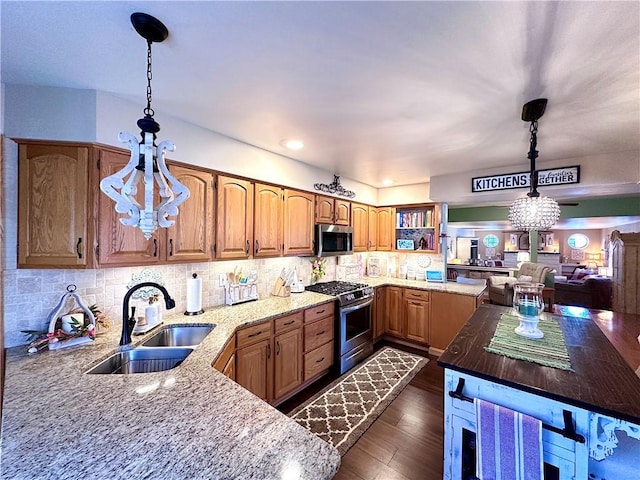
[(501, 287), (589, 291)]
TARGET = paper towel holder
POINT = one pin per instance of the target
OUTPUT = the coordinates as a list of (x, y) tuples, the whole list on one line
[(199, 312)]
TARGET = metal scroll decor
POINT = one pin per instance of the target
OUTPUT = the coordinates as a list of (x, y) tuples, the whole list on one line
[(334, 188)]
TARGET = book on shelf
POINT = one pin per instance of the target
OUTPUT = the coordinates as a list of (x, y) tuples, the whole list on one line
[(414, 219)]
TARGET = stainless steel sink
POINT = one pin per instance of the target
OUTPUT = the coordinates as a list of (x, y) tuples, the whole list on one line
[(142, 360), (179, 336)]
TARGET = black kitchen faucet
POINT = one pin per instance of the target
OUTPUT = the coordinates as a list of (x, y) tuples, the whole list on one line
[(128, 322)]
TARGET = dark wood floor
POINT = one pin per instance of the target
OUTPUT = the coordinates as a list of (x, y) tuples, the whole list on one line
[(406, 441)]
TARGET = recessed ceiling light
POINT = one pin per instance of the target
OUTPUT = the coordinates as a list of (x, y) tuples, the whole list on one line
[(387, 181), (293, 144)]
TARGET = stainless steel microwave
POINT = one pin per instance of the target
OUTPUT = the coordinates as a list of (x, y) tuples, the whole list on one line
[(333, 240)]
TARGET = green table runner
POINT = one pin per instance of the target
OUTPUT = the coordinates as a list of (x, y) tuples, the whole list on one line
[(549, 351)]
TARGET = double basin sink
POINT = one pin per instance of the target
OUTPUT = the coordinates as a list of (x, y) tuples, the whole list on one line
[(165, 350)]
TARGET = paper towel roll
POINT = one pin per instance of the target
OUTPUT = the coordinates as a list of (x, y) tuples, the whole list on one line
[(194, 294)]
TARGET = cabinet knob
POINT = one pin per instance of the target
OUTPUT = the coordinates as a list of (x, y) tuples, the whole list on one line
[(257, 247), (155, 247), (171, 247), (78, 250)]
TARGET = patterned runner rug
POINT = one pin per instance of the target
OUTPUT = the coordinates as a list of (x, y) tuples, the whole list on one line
[(344, 410)]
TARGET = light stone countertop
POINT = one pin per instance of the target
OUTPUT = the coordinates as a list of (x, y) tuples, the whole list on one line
[(449, 287), (190, 422)]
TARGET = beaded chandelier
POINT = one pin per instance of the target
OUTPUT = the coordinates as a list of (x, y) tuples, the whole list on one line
[(533, 212)]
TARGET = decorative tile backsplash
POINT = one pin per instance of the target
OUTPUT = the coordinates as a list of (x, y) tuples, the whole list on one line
[(31, 295)]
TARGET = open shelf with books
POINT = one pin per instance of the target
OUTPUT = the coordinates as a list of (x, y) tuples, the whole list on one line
[(417, 228)]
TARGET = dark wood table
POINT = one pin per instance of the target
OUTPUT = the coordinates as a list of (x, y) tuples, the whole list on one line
[(602, 381)]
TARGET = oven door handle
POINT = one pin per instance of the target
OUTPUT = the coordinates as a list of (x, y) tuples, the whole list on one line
[(351, 308)]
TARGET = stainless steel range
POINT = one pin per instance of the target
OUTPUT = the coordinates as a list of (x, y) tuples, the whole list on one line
[(354, 329)]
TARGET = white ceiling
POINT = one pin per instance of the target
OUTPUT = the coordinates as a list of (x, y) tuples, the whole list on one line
[(401, 90)]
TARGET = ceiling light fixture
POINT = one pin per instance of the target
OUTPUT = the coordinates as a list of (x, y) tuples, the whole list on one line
[(147, 159), (534, 212), (387, 181), (293, 144)]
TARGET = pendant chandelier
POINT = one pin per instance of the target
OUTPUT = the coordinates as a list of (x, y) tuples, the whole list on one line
[(534, 212), (147, 162)]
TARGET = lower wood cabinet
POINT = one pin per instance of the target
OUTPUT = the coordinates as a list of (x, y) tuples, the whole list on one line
[(318, 340), (379, 304), (393, 311), (449, 312), (416, 315), (288, 358), (275, 358)]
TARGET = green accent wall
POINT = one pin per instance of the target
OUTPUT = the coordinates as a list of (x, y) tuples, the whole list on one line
[(587, 207)]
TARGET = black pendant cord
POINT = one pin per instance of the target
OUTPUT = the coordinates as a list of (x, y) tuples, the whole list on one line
[(148, 111), (533, 154)]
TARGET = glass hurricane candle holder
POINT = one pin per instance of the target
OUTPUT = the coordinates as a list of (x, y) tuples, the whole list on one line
[(528, 305)]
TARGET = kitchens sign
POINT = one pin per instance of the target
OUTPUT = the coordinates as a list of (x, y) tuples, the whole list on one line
[(553, 176)]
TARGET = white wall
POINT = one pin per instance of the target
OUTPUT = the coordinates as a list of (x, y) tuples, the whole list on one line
[(597, 177), (406, 194), (50, 113)]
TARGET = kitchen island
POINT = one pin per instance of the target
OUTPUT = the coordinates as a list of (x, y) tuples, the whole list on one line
[(188, 422), (591, 413)]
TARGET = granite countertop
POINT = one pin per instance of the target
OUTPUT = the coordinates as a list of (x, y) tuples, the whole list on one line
[(601, 380), (449, 287), (188, 422)]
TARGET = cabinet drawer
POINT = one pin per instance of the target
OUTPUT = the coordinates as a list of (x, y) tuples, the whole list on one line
[(318, 360), (253, 334), (283, 324), (223, 359), (314, 313), (318, 333), (412, 294)]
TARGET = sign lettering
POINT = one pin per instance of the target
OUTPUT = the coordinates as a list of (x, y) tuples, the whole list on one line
[(553, 176)]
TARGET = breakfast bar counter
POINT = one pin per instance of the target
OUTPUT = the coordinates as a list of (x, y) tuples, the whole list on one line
[(188, 422)]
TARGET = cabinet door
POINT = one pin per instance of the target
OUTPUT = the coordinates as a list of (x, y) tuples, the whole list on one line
[(52, 206), (379, 312), (234, 235), (117, 244), (287, 362), (386, 232), (393, 311), (449, 312), (298, 222), (267, 221), (190, 239), (360, 219), (325, 209), (416, 315), (373, 229), (342, 212), (254, 368)]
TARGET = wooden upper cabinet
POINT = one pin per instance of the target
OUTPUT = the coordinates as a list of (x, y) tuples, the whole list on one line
[(343, 212), (360, 223), (53, 199), (268, 228), (234, 233), (386, 231), (298, 222), (373, 229), (333, 211), (190, 239), (116, 243)]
